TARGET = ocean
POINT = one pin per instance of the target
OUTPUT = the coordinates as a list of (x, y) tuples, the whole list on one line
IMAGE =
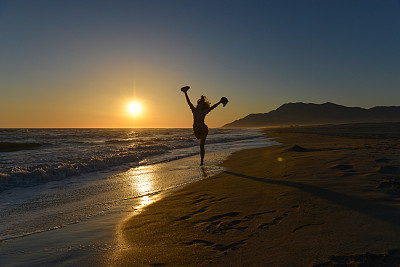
[(30, 157), (55, 178)]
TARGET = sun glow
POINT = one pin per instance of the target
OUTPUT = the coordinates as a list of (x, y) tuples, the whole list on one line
[(134, 108)]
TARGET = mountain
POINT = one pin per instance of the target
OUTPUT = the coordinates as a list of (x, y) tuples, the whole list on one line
[(309, 113)]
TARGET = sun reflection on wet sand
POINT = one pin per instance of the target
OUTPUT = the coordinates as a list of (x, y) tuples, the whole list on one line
[(142, 186), (148, 184), (142, 182), (142, 179), (146, 200)]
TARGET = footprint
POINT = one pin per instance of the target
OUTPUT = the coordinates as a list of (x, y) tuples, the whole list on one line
[(342, 167), (202, 209), (251, 216), (221, 227), (219, 247), (305, 225), (199, 198), (200, 241), (234, 222), (276, 220), (217, 217), (347, 174), (335, 160), (217, 200), (232, 246)]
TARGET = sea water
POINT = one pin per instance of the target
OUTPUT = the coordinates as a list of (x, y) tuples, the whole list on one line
[(57, 178), (34, 156)]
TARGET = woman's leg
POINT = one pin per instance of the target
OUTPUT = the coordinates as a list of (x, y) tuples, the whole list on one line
[(202, 151)]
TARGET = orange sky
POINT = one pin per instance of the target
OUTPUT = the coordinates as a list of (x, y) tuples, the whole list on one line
[(77, 64), (103, 103)]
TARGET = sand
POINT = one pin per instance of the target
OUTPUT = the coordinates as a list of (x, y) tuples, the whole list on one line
[(321, 198)]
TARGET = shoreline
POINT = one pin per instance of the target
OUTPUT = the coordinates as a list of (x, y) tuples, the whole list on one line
[(316, 199), (91, 240)]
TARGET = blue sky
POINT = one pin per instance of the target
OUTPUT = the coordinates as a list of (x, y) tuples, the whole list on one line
[(71, 63)]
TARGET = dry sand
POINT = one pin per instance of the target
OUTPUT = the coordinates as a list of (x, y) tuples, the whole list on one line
[(323, 197)]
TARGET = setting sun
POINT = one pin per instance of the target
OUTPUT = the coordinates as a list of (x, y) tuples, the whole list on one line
[(134, 108)]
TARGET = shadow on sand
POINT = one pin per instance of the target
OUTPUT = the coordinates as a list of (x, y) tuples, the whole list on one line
[(368, 207)]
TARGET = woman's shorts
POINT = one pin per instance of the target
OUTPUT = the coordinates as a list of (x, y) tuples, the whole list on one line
[(199, 130)]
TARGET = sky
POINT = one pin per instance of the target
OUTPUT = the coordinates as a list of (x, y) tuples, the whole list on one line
[(78, 63)]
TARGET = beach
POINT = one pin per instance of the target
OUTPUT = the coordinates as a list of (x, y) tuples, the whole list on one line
[(328, 195), (62, 201), (199, 133)]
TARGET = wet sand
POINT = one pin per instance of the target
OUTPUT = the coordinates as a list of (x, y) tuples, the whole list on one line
[(89, 241), (324, 197)]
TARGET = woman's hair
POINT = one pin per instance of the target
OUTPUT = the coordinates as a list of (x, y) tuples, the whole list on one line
[(203, 102)]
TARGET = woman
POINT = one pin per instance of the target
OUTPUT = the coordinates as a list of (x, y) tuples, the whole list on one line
[(200, 129)]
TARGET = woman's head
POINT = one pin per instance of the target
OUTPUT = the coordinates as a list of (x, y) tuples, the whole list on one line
[(203, 103)]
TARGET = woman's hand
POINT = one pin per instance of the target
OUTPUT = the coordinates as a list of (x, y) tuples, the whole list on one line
[(185, 89), (224, 101)]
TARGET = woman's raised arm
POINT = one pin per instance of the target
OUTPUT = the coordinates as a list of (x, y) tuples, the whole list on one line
[(215, 105), (223, 101), (184, 90)]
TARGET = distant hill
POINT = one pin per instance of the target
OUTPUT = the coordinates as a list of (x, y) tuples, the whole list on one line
[(309, 113)]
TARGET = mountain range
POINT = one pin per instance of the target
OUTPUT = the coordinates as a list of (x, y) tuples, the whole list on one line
[(310, 113)]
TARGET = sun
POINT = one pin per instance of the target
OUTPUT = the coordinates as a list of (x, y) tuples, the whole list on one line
[(134, 108)]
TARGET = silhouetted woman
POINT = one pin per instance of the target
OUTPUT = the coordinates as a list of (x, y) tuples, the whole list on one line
[(200, 129)]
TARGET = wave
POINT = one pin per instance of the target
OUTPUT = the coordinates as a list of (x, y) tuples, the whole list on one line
[(118, 141), (14, 146), (42, 173), (79, 155)]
